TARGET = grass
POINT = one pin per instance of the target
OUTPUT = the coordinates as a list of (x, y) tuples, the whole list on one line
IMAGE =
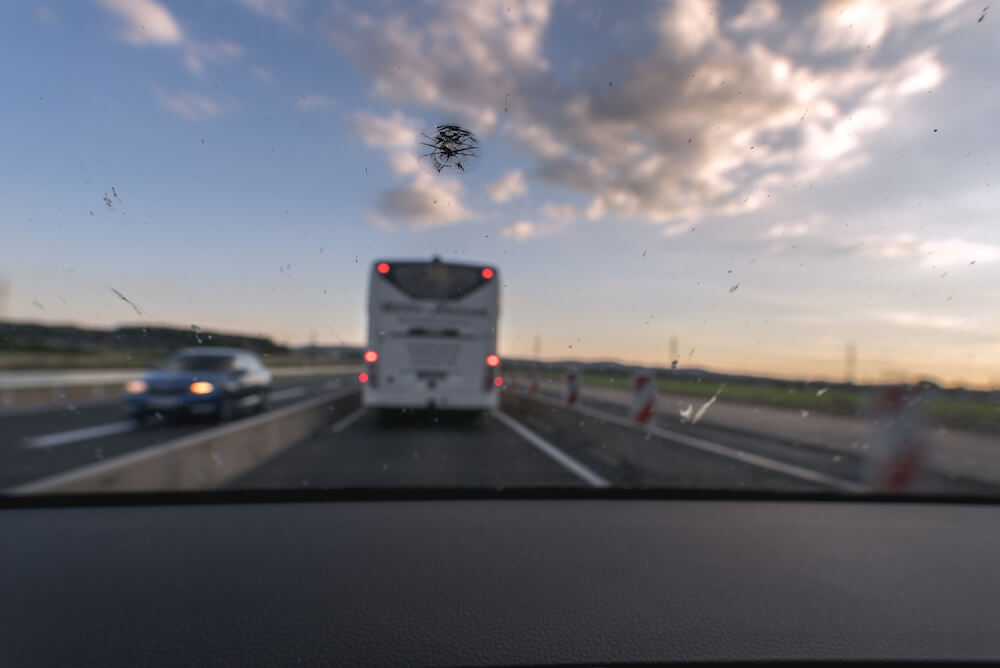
[(979, 414)]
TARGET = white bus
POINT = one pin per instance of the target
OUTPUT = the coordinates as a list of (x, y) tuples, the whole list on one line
[(432, 336)]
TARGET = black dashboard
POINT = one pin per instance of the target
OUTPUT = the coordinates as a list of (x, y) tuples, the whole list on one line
[(488, 582)]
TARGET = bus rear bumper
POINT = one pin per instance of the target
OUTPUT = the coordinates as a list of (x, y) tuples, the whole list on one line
[(457, 401)]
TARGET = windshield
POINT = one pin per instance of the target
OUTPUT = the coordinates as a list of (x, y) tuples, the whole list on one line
[(679, 245), (198, 363)]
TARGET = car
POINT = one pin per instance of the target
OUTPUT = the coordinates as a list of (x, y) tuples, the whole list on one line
[(219, 382)]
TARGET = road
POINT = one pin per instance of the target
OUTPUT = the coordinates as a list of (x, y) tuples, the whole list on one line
[(529, 442), (40, 442)]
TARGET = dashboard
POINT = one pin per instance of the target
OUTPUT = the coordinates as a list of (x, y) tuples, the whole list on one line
[(495, 580)]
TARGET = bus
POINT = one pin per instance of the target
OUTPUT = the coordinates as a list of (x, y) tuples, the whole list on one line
[(432, 336)]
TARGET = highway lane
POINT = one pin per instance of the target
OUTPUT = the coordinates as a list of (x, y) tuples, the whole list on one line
[(40, 443), (505, 449), (836, 462), (416, 450)]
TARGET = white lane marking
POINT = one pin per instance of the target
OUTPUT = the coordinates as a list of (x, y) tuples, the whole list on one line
[(290, 393), (721, 450), (573, 466), (64, 437), (346, 422)]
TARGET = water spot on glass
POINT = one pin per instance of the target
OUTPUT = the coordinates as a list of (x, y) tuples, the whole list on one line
[(217, 458), (804, 413)]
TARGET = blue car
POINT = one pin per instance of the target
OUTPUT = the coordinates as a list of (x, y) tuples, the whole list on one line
[(217, 382)]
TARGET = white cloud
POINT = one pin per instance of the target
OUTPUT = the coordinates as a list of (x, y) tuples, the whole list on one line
[(793, 230), (190, 105), (522, 230), (676, 137), (145, 22), (558, 212), (262, 74), (936, 252), (427, 201), (914, 319), (392, 132), (852, 24), (756, 15), (281, 10), (507, 187), (690, 25), (315, 102)]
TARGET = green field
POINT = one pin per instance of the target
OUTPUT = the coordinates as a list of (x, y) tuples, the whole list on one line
[(978, 414)]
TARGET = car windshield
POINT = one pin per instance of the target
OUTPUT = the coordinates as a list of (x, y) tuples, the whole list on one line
[(199, 363), (676, 245)]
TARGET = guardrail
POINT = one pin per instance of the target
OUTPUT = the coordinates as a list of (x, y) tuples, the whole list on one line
[(39, 387), (207, 459)]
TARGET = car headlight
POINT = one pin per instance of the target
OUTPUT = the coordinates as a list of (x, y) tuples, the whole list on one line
[(136, 387), (201, 387)]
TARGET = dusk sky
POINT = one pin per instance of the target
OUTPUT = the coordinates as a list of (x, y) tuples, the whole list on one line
[(765, 182)]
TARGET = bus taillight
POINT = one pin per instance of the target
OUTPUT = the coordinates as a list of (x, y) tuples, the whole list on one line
[(382, 267), (363, 377), (498, 381), (486, 273), (492, 360), (371, 356)]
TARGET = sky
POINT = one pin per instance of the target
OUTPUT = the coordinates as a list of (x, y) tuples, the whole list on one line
[(765, 183)]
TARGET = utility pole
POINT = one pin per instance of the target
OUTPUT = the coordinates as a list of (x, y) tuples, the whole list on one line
[(673, 352), (850, 363), (538, 347)]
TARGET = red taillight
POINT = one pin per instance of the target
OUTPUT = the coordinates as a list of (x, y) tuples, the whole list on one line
[(363, 377), (487, 273), (498, 381), (383, 267), (371, 356), (492, 360)]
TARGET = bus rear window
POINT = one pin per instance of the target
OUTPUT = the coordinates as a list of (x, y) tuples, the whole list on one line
[(422, 280)]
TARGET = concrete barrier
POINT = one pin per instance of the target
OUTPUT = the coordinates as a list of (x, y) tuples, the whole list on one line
[(204, 460)]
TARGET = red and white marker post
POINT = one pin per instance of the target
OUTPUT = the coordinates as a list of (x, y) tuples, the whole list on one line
[(572, 387), (643, 397), (900, 451)]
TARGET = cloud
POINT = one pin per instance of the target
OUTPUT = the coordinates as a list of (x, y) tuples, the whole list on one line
[(522, 230), (711, 119), (427, 201), (756, 15), (913, 319), (792, 230), (565, 213), (148, 23), (144, 22), (262, 74), (852, 24), (392, 132), (938, 253), (280, 10), (316, 102), (507, 187), (190, 105)]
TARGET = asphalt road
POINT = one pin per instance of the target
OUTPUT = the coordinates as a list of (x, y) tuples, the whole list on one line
[(42, 442), (512, 448)]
